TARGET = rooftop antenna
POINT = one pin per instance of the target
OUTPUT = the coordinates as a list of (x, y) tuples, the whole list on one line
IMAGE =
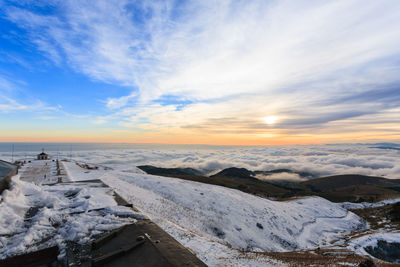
[(12, 154)]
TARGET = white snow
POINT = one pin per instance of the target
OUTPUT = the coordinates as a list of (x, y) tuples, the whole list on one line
[(222, 226), (359, 244), (76, 173), (65, 212), (346, 264), (231, 217), (217, 222), (363, 205)]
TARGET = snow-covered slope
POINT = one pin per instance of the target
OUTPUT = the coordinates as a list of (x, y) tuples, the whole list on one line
[(363, 205), (202, 216), (235, 218), (371, 240)]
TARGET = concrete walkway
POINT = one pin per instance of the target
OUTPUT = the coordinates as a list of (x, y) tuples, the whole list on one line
[(42, 172)]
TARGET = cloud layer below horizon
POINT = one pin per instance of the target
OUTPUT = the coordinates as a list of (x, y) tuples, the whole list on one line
[(320, 160)]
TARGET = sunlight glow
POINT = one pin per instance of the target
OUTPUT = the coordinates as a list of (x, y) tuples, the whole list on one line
[(270, 119)]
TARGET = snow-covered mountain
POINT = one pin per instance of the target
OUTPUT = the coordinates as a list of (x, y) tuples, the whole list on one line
[(215, 221)]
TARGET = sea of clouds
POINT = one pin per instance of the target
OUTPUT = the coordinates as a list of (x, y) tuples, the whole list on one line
[(319, 160)]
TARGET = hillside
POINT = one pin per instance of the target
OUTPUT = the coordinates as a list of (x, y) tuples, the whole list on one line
[(215, 221), (337, 188), (233, 172), (169, 171), (339, 181), (247, 174), (353, 188), (232, 178)]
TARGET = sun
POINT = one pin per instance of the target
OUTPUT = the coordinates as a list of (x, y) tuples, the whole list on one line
[(270, 119)]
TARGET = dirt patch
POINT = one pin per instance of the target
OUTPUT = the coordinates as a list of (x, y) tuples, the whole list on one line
[(381, 217), (323, 257)]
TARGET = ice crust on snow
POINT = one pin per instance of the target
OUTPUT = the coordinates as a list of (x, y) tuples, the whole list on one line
[(59, 216), (359, 244)]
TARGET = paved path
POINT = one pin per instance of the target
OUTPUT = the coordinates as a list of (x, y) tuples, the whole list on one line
[(41, 172)]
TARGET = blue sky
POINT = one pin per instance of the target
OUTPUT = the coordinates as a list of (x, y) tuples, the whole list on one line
[(52, 81), (221, 72)]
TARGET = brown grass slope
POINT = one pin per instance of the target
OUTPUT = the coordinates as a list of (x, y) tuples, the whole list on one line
[(345, 180), (353, 188)]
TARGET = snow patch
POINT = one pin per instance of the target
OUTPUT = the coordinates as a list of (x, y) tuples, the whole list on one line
[(364, 205), (360, 244), (34, 217)]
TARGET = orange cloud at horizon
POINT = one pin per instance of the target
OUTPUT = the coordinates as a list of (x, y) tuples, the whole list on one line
[(184, 136)]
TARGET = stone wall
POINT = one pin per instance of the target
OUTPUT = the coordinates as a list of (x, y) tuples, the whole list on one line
[(5, 180)]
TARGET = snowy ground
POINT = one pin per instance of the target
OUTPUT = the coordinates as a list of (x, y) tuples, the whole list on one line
[(359, 244), (39, 172), (363, 205), (222, 226), (36, 216), (217, 222)]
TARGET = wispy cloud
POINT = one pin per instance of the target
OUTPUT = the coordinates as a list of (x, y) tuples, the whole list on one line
[(117, 103), (9, 101), (310, 63), (8, 104), (13, 98)]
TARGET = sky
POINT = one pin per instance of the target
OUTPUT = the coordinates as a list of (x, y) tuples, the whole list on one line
[(252, 72)]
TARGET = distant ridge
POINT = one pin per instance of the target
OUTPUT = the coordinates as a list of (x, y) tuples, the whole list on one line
[(338, 181), (354, 188), (247, 174), (234, 172), (301, 174), (336, 188), (169, 171)]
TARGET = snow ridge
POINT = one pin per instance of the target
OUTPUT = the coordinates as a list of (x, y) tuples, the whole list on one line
[(216, 222), (234, 218)]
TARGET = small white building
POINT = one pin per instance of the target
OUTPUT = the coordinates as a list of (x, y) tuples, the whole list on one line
[(42, 156)]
